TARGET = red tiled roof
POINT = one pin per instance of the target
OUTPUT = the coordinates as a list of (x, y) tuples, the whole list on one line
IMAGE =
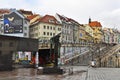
[(26, 12), (32, 16), (3, 11), (49, 19), (95, 24)]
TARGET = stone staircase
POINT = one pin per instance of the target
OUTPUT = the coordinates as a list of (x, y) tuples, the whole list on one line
[(100, 53), (102, 59)]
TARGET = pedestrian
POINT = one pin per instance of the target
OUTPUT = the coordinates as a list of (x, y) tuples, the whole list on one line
[(93, 63)]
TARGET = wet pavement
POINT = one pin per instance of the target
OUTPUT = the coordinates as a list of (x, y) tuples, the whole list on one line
[(79, 73), (31, 74), (26, 74)]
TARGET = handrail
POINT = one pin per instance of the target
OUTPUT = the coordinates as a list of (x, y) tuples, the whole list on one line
[(113, 50)]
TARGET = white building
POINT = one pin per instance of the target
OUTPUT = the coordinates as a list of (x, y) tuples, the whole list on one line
[(69, 38)]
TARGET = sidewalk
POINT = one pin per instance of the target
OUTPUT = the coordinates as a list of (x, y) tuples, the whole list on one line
[(79, 73), (93, 73), (103, 74)]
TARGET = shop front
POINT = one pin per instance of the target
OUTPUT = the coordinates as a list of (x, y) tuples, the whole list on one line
[(17, 51)]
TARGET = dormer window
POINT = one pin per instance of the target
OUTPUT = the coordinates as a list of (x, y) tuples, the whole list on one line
[(57, 22), (52, 21)]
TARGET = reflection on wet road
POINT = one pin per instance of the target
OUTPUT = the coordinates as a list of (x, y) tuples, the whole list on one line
[(26, 74)]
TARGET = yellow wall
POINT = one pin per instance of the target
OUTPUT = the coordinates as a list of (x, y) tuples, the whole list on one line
[(97, 34), (34, 19), (88, 29)]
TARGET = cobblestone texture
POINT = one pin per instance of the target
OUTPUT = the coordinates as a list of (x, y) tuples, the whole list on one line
[(79, 73)]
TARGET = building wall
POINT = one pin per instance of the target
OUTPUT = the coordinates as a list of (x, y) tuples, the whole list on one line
[(10, 45), (44, 31), (67, 33), (76, 33), (1, 26), (88, 29), (97, 34), (26, 25), (82, 34)]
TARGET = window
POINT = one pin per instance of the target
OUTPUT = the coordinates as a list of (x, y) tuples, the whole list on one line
[(25, 22), (25, 34), (50, 34), (11, 44), (2, 25), (36, 34), (51, 27), (47, 33), (58, 29), (44, 27), (44, 33)]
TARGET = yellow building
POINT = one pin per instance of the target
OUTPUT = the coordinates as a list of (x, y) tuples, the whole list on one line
[(97, 28), (82, 34), (85, 34), (88, 29), (33, 18), (89, 33), (45, 28)]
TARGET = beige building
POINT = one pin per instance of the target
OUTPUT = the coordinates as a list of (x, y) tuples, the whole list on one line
[(45, 28), (97, 30), (85, 33), (88, 29)]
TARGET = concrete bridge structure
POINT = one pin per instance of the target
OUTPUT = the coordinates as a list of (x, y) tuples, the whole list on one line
[(105, 55)]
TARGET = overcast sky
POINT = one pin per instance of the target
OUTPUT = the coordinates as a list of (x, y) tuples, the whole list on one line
[(105, 11)]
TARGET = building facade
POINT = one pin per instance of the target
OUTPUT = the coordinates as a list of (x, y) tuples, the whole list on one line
[(111, 36), (69, 39), (16, 50), (97, 28), (88, 33), (16, 25), (43, 29)]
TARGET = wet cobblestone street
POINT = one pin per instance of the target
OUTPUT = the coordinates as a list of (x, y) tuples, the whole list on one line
[(31, 74), (79, 73), (26, 74)]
